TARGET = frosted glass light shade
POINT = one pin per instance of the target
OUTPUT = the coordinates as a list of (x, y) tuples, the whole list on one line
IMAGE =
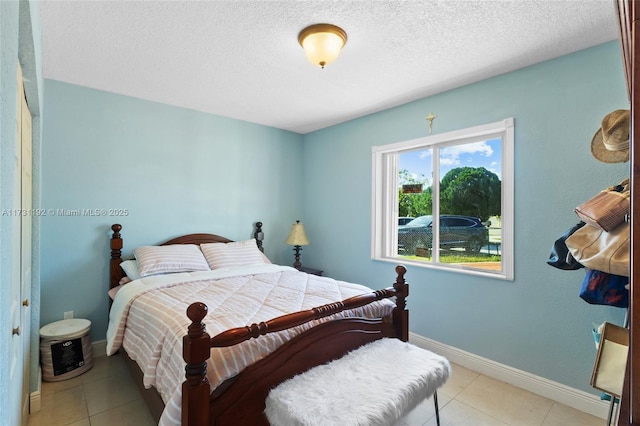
[(297, 236), (322, 43)]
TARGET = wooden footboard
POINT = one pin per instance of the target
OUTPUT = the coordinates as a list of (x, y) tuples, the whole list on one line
[(240, 400)]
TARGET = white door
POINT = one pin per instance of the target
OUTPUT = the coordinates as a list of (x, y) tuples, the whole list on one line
[(25, 255), (20, 308), (16, 358)]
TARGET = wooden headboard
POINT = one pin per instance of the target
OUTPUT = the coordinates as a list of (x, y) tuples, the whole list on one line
[(116, 273)]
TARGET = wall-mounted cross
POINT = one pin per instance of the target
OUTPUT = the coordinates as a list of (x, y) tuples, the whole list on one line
[(430, 119)]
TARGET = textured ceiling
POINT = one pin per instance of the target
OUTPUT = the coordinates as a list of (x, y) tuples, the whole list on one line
[(241, 59)]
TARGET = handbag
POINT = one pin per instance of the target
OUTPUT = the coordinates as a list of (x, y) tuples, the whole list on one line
[(608, 208), (600, 288), (560, 257), (600, 250)]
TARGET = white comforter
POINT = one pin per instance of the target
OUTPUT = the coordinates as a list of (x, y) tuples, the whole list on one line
[(148, 318)]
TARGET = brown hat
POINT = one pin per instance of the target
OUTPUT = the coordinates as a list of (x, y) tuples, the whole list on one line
[(610, 144)]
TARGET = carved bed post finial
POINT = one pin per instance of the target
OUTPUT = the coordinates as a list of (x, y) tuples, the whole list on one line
[(401, 287), (259, 235), (116, 241), (196, 347), (115, 272), (400, 314)]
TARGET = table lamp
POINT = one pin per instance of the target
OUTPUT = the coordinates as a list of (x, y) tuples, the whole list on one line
[(297, 238)]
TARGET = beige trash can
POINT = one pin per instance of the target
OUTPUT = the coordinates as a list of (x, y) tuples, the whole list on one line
[(65, 349)]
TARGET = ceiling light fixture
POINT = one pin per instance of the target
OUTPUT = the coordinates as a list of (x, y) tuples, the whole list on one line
[(322, 43)]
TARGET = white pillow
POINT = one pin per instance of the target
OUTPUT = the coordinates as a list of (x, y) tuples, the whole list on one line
[(154, 260), (237, 253), (130, 267), (265, 259)]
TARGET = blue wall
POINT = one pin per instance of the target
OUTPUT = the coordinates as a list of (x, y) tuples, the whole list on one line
[(536, 323), (179, 171), (176, 171)]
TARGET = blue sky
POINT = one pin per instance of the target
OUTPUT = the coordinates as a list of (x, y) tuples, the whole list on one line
[(487, 154)]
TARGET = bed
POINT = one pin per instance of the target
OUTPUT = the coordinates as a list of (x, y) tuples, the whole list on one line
[(256, 344)]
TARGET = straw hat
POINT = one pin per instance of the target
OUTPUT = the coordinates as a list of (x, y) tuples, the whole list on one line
[(610, 144)]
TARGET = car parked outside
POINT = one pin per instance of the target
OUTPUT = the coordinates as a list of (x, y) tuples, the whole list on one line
[(403, 220), (455, 232)]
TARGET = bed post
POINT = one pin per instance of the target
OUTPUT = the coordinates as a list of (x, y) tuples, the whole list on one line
[(400, 313), (115, 272), (259, 236), (196, 349)]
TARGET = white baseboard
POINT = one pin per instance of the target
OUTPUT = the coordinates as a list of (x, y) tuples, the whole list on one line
[(35, 398), (555, 391), (99, 348)]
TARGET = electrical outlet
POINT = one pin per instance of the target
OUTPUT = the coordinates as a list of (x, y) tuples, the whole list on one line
[(68, 315)]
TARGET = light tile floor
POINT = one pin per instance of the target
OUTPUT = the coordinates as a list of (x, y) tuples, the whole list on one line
[(106, 395)]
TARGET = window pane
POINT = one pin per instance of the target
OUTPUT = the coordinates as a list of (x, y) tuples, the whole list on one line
[(415, 173), (470, 204)]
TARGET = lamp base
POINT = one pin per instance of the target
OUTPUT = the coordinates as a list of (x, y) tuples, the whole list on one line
[(297, 264)]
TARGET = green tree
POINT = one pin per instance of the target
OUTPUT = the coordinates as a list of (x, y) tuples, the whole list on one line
[(471, 191), (414, 204)]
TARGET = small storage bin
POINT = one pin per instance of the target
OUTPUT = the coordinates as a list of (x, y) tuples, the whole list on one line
[(65, 349)]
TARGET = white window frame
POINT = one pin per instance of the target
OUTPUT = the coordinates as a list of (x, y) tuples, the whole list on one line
[(384, 220)]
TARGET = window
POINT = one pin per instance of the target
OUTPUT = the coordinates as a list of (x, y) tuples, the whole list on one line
[(458, 188)]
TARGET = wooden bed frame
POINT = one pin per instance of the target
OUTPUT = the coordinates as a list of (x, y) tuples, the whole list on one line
[(240, 400)]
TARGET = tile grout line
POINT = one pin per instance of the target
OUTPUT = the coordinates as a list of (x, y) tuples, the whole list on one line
[(548, 412), (479, 408), (485, 413)]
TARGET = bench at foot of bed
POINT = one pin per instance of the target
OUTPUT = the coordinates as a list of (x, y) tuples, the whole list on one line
[(376, 384)]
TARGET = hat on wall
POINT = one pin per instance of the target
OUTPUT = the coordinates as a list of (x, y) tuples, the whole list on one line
[(610, 144)]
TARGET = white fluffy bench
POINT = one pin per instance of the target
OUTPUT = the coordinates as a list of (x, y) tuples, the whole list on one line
[(376, 384)]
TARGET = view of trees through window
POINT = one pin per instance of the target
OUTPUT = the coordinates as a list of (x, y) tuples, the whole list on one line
[(469, 201), (473, 191)]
